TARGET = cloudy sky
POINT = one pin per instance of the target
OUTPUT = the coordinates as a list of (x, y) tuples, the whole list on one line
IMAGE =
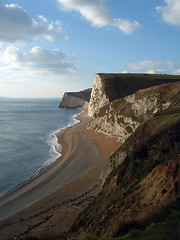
[(48, 47)]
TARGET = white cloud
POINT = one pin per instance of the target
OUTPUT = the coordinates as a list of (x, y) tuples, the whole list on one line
[(98, 14), (170, 12), (44, 19), (37, 61), (16, 25), (149, 66)]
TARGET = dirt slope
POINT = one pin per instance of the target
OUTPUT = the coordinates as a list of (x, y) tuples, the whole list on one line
[(145, 185)]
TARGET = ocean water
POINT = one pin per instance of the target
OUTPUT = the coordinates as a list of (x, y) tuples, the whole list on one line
[(28, 141)]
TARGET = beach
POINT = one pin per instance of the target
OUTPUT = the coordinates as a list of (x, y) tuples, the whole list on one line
[(51, 201)]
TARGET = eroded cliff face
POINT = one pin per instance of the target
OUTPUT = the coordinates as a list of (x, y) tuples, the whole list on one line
[(110, 87), (70, 101), (98, 97), (75, 99), (122, 117)]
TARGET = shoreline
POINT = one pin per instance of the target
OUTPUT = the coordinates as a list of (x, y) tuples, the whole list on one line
[(73, 176), (21, 188), (45, 166)]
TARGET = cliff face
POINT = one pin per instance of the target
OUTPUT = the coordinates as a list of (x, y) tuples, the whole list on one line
[(109, 87), (75, 99), (143, 185), (98, 97), (121, 117), (70, 101)]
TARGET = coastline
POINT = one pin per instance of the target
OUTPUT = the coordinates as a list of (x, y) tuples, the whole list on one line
[(47, 164), (41, 175), (73, 177)]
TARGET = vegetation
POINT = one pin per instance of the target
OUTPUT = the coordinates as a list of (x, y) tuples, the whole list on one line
[(121, 85), (165, 227), (85, 94), (136, 201)]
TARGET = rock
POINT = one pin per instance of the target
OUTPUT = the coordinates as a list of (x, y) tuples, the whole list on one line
[(98, 97), (109, 87), (75, 99), (122, 117)]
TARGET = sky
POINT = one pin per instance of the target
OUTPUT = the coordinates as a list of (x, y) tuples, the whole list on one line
[(48, 47)]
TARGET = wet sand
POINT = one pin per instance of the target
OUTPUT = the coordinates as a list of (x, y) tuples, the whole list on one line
[(50, 202)]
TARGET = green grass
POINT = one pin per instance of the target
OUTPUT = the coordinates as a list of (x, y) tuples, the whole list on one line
[(158, 231), (163, 230)]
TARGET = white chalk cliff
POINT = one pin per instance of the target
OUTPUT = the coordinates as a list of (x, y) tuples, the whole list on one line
[(98, 97), (75, 99), (117, 113), (122, 117)]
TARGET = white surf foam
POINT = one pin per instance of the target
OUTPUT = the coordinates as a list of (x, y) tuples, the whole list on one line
[(55, 148)]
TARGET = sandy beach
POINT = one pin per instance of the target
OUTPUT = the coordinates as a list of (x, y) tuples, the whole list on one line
[(50, 202)]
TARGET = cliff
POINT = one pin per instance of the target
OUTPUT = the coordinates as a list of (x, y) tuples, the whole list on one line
[(75, 99), (121, 117), (109, 87), (141, 194)]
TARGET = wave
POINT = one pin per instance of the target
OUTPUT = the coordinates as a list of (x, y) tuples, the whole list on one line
[(55, 148)]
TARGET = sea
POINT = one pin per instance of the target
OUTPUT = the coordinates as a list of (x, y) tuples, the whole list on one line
[(28, 137)]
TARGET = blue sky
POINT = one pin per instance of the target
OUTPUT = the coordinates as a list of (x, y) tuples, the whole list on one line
[(48, 47)]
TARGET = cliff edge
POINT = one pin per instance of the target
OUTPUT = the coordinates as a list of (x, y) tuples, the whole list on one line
[(75, 99), (109, 87)]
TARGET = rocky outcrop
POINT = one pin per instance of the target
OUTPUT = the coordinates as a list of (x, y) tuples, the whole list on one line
[(109, 87), (98, 96), (75, 99), (122, 117)]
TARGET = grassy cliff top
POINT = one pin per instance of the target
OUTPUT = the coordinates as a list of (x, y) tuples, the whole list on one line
[(85, 94), (121, 85)]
